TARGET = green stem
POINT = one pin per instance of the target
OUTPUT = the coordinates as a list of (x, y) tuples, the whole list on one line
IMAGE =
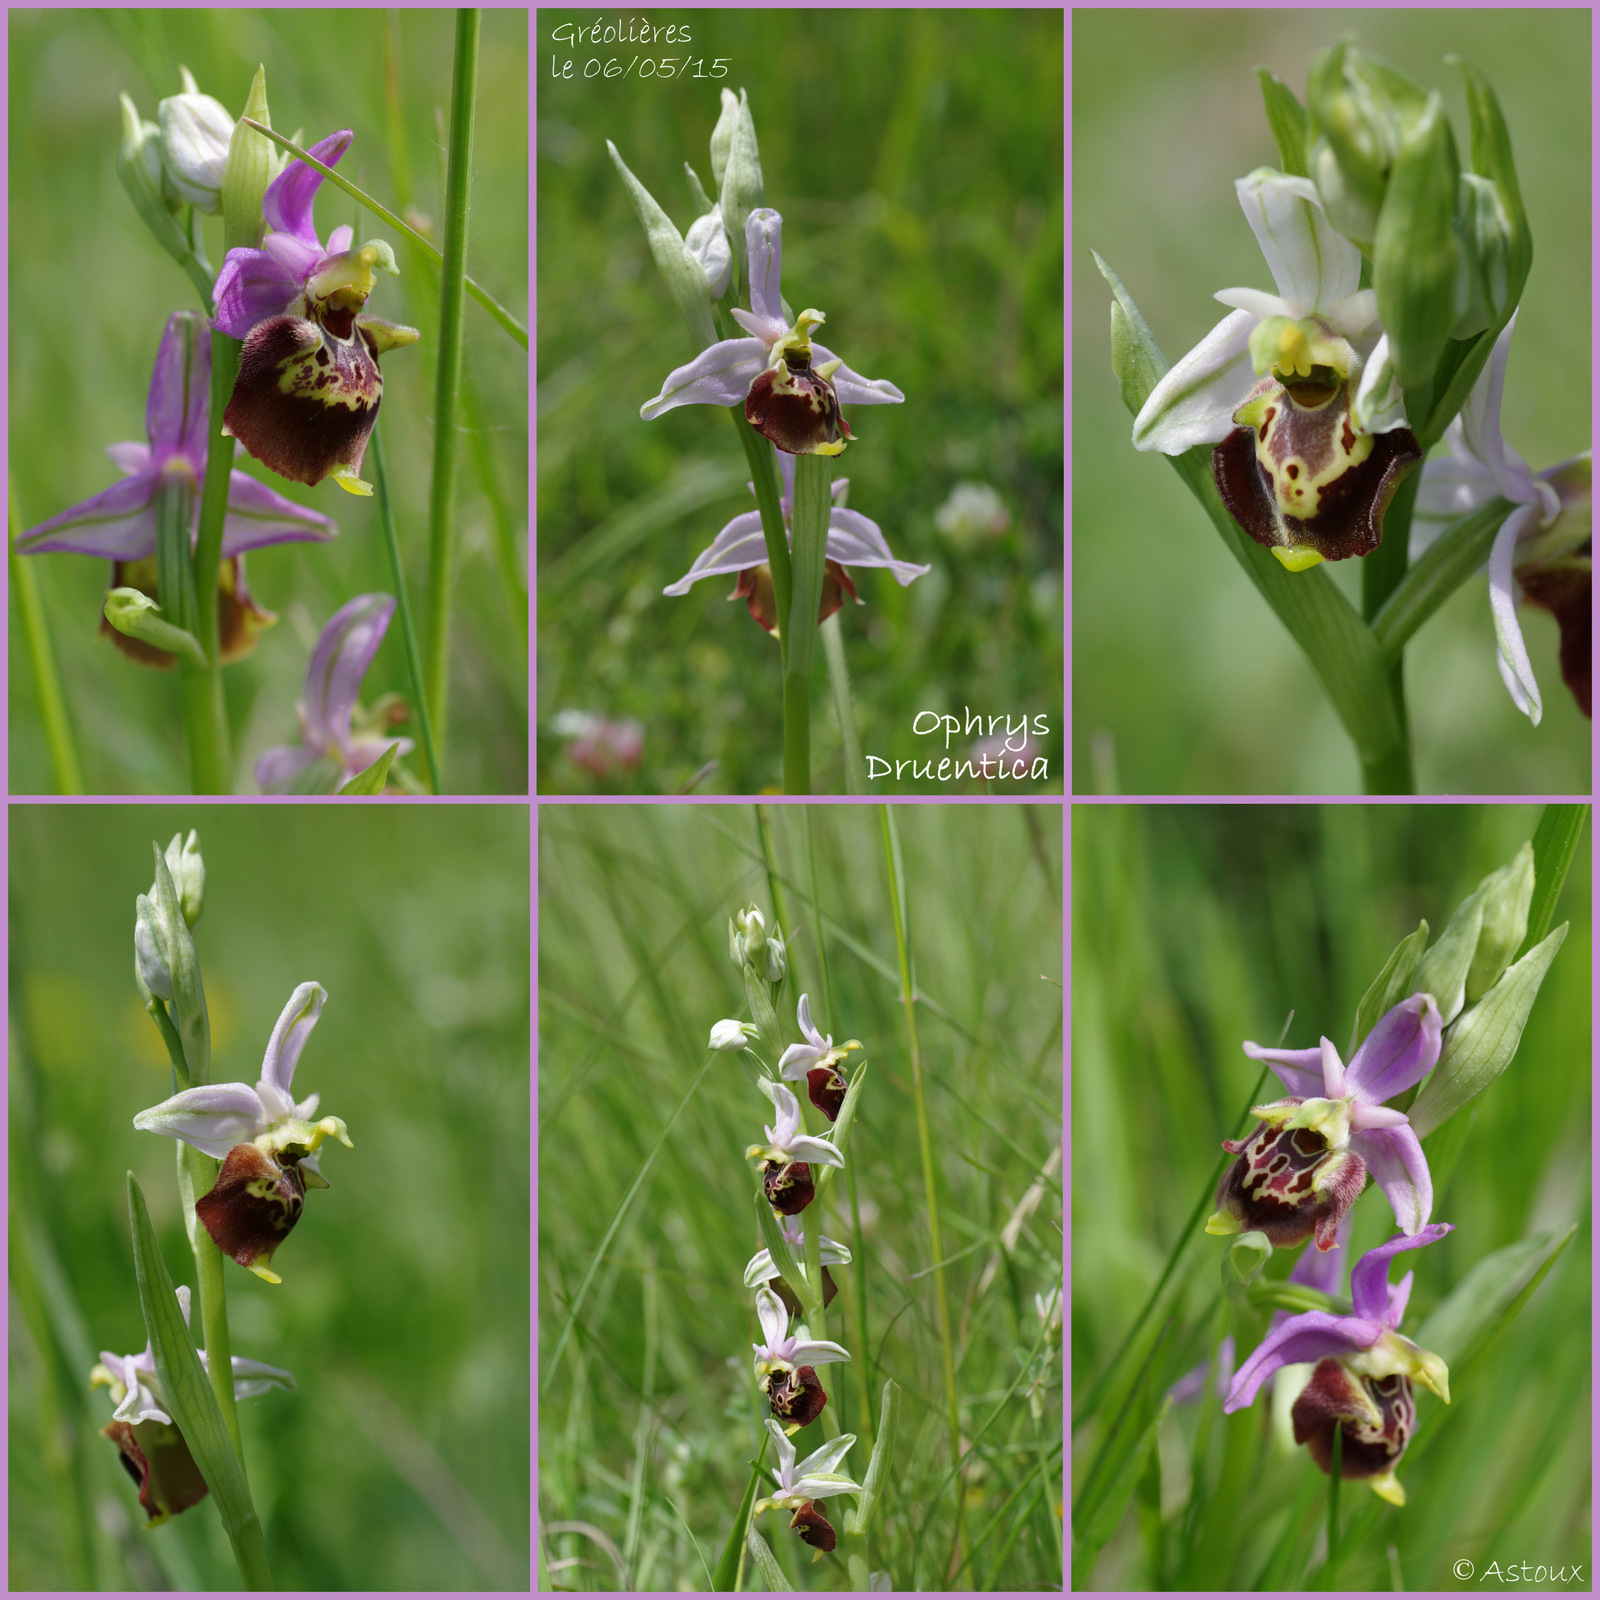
[(204, 709), (1445, 565), (478, 293), (1390, 771), (441, 507), (46, 681), (844, 707), (902, 939), (812, 478), (769, 501), (208, 1268), (1330, 1571), (408, 626)]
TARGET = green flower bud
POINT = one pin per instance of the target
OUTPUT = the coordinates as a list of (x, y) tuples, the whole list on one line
[(742, 189), (686, 278), (251, 166), (1507, 893), (188, 872), (195, 134), (143, 177), (722, 136)]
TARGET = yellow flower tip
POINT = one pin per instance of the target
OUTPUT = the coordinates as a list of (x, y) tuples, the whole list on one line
[(264, 1272), (835, 449), (352, 483), (1296, 557), (807, 320), (100, 1374), (828, 368), (1388, 1487), (333, 1128), (1222, 1223), (313, 1180), (1432, 1374), (792, 1429)]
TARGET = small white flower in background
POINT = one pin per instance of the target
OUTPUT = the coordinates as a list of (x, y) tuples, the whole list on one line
[(971, 511), (598, 746), (1048, 1307), (731, 1035)]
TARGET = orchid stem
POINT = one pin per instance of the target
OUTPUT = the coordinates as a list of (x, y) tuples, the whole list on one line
[(53, 713), (408, 626), (1382, 572), (844, 707), (208, 1270), (813, 477), (441, 509)]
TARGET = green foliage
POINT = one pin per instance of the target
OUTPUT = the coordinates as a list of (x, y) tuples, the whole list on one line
[(80, 368), (401, 1462), (916, 159), (1196, 928), (628, 987)]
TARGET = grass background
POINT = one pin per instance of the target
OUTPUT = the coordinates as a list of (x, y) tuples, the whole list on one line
[(628, 990), (915, 158), (81, 362), (402, 1461), (1166, 114), (1195, 928)]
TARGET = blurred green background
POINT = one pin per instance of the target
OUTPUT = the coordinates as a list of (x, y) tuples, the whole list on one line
[(1181, 673), (648, 1420), (1198, 927), (81, 364), (402, 1461), (915, 158)]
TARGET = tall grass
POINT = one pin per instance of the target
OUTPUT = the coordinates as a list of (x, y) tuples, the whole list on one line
[(649, 1415), (1195, 928)]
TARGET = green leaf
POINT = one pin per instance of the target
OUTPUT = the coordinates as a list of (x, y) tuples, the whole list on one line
[(1442, 972), (372, 780), (1490, 1296), (1096, 1524), (727, 1573), (1287, 119), (1491, 158), (857, 1519), (188, 1394), (1555, 842), (783, 1256), (771, 1572), (1483, 1043), (1391, 986), (1338, 644)]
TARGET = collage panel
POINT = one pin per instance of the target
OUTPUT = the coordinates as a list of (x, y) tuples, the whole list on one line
[(799, 1206), (800, 426), (251, 336), (1331, 1107), (1331, 413), (268, 1096)]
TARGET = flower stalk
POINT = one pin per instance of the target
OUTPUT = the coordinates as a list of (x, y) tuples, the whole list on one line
[(813, 475)]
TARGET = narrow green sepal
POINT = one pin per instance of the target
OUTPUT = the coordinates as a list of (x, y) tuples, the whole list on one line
[(685, 278), (252, 165), (372, 780), (1287, 119)]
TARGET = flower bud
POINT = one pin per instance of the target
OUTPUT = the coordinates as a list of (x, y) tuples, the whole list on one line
[(722, 136), (741, 187), (777, 958), (1506, 893), (730, 1035), (195, 134), (143, 177), (685, 269), (708, 244), (150, 969), (251, 166), (188, 873), (167, 967)]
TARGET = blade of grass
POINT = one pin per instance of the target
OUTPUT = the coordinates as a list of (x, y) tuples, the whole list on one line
[(477, 291), (844, 707), (408, 626), (46, 681), (727, 1573), (1555, 842), (441, 500)]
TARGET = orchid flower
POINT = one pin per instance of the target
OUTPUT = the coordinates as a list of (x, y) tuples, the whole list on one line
[(1364, 1371), (786, 1367), (788, 1155), (1296, 390), (853, 541), (266, 1141), (1303, 1169), (1542, 546), (309, 387), (814, 1061), (759, 1269), (731, 1034), (119, 523), (155, 1453), (329, 754), (800, 1487), (771, 374)]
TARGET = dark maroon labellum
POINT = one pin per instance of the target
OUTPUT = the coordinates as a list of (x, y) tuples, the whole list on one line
[(827, 1091), (788, 1188), (253, 1206), (791, 1301), (813, 1527), (1336, 1397), (1272, 1187), (1305, 428), (306, 397), (795, 1396), (794, 408), (1564, 589), (156, 1456)]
